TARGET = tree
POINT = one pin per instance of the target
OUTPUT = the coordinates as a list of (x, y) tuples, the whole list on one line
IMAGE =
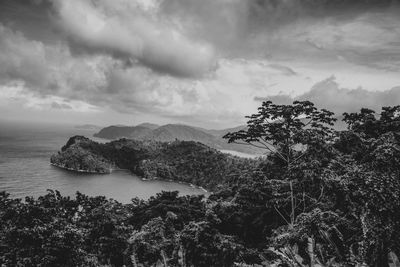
[(203, 245), (367, 125), (151, 245), (284, 130), (298, 139), (373, 180), (290, 133)]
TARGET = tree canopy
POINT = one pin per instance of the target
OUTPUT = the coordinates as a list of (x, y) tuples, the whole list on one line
[(320, 197), (284, 130)]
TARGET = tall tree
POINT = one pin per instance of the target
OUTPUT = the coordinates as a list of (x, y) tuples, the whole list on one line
[(286, 130)]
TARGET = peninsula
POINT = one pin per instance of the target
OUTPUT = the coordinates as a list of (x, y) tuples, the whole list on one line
[(182, 161)]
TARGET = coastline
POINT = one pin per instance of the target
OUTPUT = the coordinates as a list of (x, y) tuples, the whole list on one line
[(179, 182), (142, 178), (79, 170)]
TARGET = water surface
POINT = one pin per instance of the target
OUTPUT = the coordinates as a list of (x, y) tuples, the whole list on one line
[(25, 168), (240, 154)]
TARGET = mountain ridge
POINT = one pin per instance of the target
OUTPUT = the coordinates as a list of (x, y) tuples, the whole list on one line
[(172, 132)]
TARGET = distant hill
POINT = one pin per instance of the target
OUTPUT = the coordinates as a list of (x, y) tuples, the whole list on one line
[(88, 127), (172, 132), (116, 132), (225, 131), (149, 125)]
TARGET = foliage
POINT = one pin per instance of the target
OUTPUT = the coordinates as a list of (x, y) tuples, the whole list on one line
[(320, 197), (283, 130), (185, 161)]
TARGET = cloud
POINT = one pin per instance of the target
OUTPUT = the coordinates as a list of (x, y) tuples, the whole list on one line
[(105, 82), (45, 70), (284, 69), (124, 27), (15, 95), (56, 105), (198, 61), (371, 39), (278, 99), (48, 69), (20, 59), (329, 95)]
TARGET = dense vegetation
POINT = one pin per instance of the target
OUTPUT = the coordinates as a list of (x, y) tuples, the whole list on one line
[(320, 198), (74, 157), (185, 161), (171, 132)]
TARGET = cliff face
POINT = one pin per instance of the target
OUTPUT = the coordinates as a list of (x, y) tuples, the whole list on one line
[(185, 161)]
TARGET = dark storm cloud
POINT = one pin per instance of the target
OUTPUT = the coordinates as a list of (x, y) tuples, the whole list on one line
[(204, 59), (32, 17), (125, 28), (229, 26), (183, 37), (120, 28), (310, 30), (47, 70)]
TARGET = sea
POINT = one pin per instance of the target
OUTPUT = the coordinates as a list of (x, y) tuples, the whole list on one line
[(25, 170)]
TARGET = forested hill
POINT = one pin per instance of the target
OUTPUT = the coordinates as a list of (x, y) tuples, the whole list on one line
[(172, 132), (185, 161)]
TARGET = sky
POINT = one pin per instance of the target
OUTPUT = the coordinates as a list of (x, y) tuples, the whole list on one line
[(207, 63)]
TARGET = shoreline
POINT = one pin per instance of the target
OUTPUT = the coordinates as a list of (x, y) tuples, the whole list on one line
[(172, 181), (142, 178), (78, 170)]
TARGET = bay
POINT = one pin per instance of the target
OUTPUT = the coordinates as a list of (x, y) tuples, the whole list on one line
[(25, 169)]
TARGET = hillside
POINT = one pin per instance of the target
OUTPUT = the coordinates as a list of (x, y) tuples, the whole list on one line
[(88, 127), (151, 126), (172, 132), (220, 133), (186, 161), (74, 156), (115, 132)]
